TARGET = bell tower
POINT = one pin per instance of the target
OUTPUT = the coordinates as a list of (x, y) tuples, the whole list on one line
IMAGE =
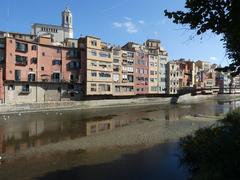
[(67, 23)]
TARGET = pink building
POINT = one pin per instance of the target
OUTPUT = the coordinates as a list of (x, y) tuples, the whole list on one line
[(141, 72), (141, 67)]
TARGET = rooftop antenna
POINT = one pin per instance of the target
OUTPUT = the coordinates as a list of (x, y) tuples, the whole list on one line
[(7, 18), (67, 4)]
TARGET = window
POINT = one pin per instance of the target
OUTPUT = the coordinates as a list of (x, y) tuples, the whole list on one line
[(94, 53), (94, 74), (17, 75), (43, 54), (93, 87), (104, 75), (115, 60), (34, 61), (94, 63), (130, 78), (1, 59), (31, 77), (21, 60), (116, 53), (104, 126), (56, 77), (93, 129), (34, 47), (58, 50), (25, 88), (105, 55), (42, 68), (116, 77), (73, 77), (104, 87), (56, 62), (74, 65), (73, 53), (22, 47), (116, 68), (11, 87), (94, 43), (152, 72)]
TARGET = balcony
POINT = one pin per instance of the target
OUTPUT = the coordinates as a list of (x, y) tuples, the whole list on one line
[(73, 65), (73, 53), (23, 63)]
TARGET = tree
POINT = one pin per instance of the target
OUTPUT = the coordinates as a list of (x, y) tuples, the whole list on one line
[(218, 16)]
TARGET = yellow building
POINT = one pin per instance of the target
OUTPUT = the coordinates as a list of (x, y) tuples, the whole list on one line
[(99, 66)]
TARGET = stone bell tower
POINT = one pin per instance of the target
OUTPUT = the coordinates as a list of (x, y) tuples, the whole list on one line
[(67, 23)]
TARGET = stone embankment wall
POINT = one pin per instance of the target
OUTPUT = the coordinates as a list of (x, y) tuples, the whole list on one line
[(194, 99), (83, 104), (49, 106)]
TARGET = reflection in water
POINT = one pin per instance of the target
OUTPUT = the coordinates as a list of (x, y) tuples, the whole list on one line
[(21, 132)]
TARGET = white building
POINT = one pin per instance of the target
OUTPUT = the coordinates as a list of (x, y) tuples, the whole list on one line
[(58, 33), (174, 74)]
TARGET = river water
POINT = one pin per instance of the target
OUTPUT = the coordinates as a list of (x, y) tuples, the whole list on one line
[(28, 132)]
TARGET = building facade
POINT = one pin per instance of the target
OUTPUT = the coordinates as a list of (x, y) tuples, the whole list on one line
[(99, 66), (38, 71)]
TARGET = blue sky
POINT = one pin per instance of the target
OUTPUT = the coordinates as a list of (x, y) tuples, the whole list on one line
[(117, 22)]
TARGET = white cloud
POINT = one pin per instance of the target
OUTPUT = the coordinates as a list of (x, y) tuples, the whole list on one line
[(128, 25), (128, 18), (213, 58), (117, 24), (141, 22)]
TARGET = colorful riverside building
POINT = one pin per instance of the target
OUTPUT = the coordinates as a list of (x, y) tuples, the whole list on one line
[(138, 69), (99, 66), (35, 70), (50, 65), (158, 59), (123, 62)]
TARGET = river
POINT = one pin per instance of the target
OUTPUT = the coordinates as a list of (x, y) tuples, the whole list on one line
[(115, 143)]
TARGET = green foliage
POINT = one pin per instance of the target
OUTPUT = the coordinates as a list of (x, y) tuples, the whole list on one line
[(213, 153), (232, 119), (218, 16)]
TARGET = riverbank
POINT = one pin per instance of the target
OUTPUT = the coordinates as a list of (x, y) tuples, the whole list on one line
[(95, 104)]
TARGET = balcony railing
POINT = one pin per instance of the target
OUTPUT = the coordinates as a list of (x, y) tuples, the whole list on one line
[(21, 63)]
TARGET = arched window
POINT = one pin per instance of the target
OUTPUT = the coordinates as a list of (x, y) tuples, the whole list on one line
[(67, 19)]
